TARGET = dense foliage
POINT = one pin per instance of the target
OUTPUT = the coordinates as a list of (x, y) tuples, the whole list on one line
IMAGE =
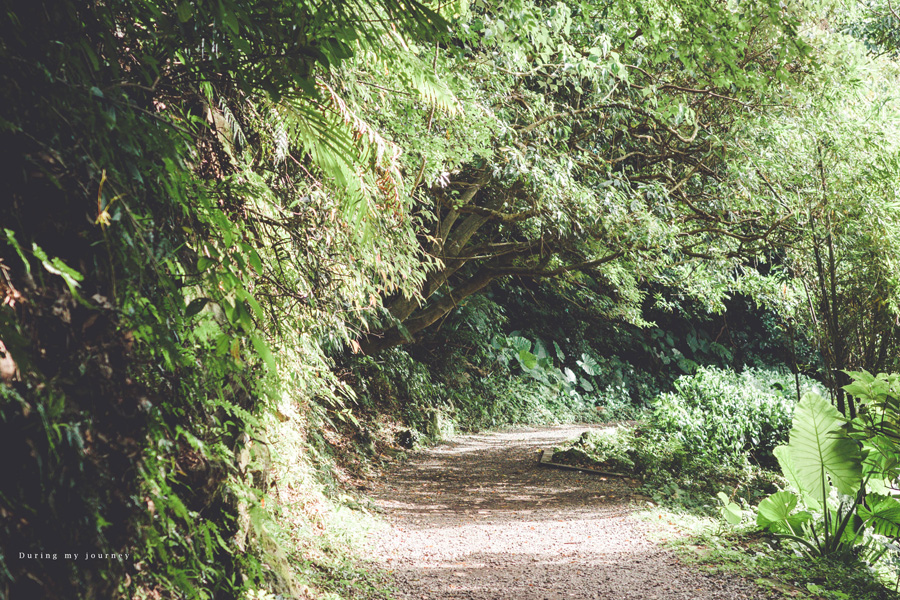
[(221, 220), (727, 416), (716, 430), (842, 473), (186, 195), (833, 168), (588, 146)]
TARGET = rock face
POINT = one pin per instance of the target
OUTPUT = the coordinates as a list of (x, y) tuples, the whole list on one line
[(479, 519)]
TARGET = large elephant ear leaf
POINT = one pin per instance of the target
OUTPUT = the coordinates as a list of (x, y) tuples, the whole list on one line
[(883, 517), (789, 470), (819, 447), (775, 510), (776, 514)]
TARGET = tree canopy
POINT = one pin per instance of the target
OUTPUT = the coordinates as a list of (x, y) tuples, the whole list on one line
[(595, 139)]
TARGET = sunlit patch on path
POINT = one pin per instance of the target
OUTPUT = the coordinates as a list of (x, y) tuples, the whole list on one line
[(479, 519)]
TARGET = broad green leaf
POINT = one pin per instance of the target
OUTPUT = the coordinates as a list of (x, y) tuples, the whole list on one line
[(857, 390), (519, 343), (819, 449), (588, 364), (883, 517), (860, 376), (775, 510), (799, 518), (527, 359), (732, 513), (730, 510), (789, 470), (195, 307)]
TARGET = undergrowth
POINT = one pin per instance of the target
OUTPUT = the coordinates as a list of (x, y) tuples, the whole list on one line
[(309, 517), (435, 403), (713, 433), (756, 556), (671, 474)]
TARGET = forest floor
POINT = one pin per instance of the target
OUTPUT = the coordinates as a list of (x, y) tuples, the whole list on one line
[(478, 519)]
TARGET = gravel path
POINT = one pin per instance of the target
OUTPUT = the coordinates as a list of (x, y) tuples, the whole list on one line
[(478, 519)]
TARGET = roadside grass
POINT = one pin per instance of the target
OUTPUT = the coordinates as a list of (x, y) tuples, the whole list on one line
[(717, 548)]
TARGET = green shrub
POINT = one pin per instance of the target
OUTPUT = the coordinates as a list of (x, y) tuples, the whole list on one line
[(456, 394), (671, 473), (632, 450), (722, 415), (697, 439)]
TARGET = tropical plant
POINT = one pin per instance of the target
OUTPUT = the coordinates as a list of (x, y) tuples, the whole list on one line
[(877, 426), (830, 474), (730, 510)]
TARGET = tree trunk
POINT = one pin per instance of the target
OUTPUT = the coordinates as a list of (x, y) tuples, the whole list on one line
[(429, 314)]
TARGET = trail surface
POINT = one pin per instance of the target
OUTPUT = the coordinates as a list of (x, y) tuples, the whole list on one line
[(478, 519)]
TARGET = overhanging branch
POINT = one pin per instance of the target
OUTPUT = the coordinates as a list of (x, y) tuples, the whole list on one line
[(537, 272)]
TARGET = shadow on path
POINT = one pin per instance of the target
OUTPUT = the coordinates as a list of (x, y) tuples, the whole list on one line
[(478, 518)]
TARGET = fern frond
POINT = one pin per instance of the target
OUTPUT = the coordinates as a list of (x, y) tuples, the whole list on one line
[(416, 76), (237, 134), (358, 165)]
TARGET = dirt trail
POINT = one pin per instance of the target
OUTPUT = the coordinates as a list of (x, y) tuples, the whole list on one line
[(478, 519)]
